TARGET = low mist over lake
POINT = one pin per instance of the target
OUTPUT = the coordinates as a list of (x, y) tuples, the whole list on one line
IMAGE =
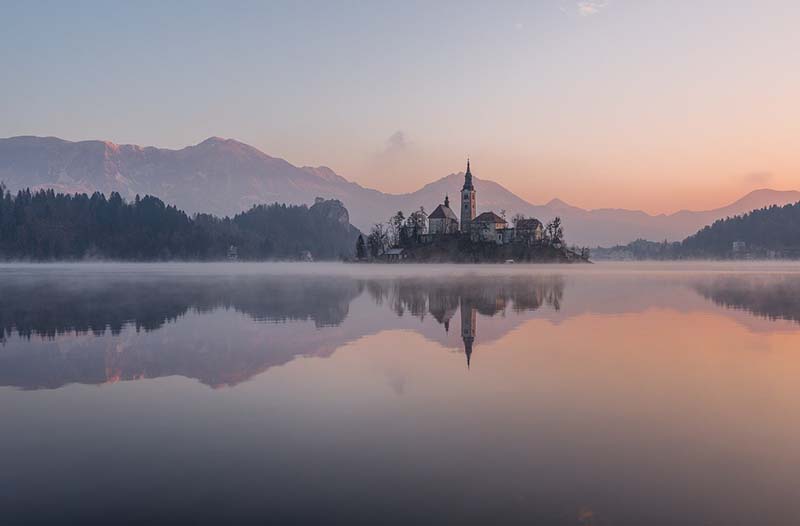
[(300, 393)]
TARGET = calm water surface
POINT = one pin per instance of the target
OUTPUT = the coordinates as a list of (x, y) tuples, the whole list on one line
[(593, 395)]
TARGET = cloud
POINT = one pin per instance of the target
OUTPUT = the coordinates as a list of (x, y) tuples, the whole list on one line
[(397, 142), (394, 158), (589, 7), (758, 178)]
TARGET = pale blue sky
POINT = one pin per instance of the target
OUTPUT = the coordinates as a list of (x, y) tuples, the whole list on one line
[(676, 103)]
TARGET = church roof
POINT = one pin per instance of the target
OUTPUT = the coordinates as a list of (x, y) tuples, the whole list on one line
[(529, 223), (468, 179), (443, 212), (489, 217)]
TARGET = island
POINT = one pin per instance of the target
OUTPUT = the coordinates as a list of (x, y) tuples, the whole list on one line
[(484, 238)]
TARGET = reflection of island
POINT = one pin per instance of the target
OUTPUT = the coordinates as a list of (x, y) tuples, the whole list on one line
[(772, 297), (200, 327), (470, 296)]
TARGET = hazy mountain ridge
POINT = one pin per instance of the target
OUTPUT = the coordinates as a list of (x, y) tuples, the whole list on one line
[(225, 176)]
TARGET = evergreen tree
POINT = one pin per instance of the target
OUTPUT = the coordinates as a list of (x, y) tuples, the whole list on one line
[(49, 226), (361, 248)]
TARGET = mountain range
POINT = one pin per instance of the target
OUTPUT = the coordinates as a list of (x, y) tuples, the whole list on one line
[(225, 176)]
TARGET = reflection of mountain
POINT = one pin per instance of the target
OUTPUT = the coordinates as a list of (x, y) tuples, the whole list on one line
[(146, 327), (773, 297), (59, 330)]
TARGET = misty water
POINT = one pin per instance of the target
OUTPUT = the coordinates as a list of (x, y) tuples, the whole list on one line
[(602, 394)]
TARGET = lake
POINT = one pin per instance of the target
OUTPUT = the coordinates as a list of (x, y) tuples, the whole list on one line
[(314, 393)]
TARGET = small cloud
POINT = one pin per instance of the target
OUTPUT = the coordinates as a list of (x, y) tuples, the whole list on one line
[(393, 159), (518, 26), (758, 178), (585, 7), (397, 142), (590, 8)]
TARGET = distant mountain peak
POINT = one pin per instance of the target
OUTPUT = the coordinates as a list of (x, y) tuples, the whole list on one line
[(557, 203), (768, 193), (216, 140), (222, 141)]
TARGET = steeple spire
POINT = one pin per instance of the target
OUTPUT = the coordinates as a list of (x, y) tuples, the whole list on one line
[(468, 178)]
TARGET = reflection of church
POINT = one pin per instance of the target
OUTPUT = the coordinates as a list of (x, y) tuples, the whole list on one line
[(468, 297), (468, 327)]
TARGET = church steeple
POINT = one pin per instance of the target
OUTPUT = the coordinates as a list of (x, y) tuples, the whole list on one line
[(467, 201), (468, 178)]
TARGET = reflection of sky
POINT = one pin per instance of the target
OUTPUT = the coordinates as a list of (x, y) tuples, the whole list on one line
[(626, 415)]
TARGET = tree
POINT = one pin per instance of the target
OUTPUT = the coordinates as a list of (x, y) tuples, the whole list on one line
[(395, 225), (553, 233), (418, 222), (516, 219), (361, 248), (46, 226), (378, 240)]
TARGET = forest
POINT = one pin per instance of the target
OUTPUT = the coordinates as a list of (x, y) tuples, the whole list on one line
[(770, 232), (49, 226)]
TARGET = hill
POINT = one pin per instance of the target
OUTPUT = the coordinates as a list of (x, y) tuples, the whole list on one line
[(43, 225), (769, 232), (225, 176)]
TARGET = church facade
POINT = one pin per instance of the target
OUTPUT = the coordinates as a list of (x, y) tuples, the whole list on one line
[(443, 220)]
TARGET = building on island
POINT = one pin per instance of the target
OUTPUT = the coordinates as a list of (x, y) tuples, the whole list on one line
[(468, 201), (443, 220), (529, 231), (395, 254), (488, 227)]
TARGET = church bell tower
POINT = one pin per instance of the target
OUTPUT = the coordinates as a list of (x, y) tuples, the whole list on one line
[(467, 201)]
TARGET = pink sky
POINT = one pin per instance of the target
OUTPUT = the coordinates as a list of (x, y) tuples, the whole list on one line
[(657, 106)]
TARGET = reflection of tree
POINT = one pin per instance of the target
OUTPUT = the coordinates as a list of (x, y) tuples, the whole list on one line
[(773, 297), (489, 296), (486, 296), (227, 354), (48, 308)]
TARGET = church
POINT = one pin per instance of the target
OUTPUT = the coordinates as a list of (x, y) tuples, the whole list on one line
[(485, 227)]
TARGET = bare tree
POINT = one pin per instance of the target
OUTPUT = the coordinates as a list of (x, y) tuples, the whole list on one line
[(378, 240), (553, 232), (395, 223)]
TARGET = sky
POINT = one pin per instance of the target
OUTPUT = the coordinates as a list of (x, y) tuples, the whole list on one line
[(652, 105)]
